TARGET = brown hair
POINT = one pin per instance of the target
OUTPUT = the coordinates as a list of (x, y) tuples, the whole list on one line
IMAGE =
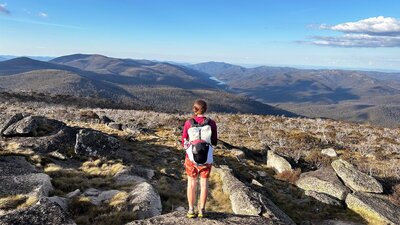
[(199, 107)]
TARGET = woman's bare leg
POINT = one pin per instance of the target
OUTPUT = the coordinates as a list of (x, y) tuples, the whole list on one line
[(191, 191), (203, 192)]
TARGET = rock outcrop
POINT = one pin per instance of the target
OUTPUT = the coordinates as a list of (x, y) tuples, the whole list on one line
[(17, 176), (61, 141), (43, 213), (277, 162), (144, 201), (213, 218), (245, 201), (95, 143), (324, 181), (32, 126), (356, 179), (4, 125), (374, 207)]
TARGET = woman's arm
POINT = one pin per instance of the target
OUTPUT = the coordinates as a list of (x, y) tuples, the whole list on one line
[(185, 134), (214, 135)]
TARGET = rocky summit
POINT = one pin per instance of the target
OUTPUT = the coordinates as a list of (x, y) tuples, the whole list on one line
[(97, 166)]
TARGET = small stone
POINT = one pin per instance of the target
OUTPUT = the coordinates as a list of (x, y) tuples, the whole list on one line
[(238, 153), (91, 192), (277, 162), (57, 155), (329, 152), (115, 126), (180, 208), (62, 202), (261, 173), (73, 194), (103, 196), (255, 182), (105, 120)]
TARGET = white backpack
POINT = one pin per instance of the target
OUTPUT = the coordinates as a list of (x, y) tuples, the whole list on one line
[(200, 150)]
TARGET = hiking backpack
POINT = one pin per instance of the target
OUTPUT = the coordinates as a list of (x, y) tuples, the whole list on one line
[(200, 150)]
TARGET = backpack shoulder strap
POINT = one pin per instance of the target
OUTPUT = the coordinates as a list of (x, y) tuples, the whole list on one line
[(206, 121), (193, 123)]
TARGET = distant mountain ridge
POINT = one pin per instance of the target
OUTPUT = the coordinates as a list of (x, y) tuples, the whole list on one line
[(131, 83), (40, 58), (144, 71), (325, 91)]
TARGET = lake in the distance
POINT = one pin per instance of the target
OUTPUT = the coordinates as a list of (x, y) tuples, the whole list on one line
[(219, 81)]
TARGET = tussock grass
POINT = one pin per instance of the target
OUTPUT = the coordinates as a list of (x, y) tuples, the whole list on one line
[(119, 200), (11, 148), (218, 200), (67, 180), (31, 200), (290, 176), (12, 202), (101, 167), (85, 213), (50, 168)]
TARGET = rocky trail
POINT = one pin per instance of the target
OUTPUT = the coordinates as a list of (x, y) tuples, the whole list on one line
[(63, 166)]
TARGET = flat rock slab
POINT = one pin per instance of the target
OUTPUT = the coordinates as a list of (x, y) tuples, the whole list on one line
[(17, 176), (325, 181), (179, 218), (373, 207), (324, 198), (245, 201), (356, 179), (242, 198), (45, 213)]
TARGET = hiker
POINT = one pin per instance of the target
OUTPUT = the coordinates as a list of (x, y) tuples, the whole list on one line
[(199, 134)]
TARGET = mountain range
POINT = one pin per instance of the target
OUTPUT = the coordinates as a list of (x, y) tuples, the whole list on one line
[(138, 84), (359, 96)]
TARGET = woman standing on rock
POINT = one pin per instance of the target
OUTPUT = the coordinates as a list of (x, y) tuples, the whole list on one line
[(199, 134)]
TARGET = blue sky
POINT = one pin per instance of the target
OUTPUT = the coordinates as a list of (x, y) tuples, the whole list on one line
[(310, 33)]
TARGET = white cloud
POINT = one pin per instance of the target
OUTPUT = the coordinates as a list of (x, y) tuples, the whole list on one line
[(3, 9), (357, 40), (372, 32), (375, 26), (42, 14)]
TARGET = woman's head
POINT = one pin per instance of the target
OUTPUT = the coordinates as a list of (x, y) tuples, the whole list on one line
[(199, 107)]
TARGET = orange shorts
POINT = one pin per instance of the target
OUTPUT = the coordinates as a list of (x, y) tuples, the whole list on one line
[(193, 171)]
